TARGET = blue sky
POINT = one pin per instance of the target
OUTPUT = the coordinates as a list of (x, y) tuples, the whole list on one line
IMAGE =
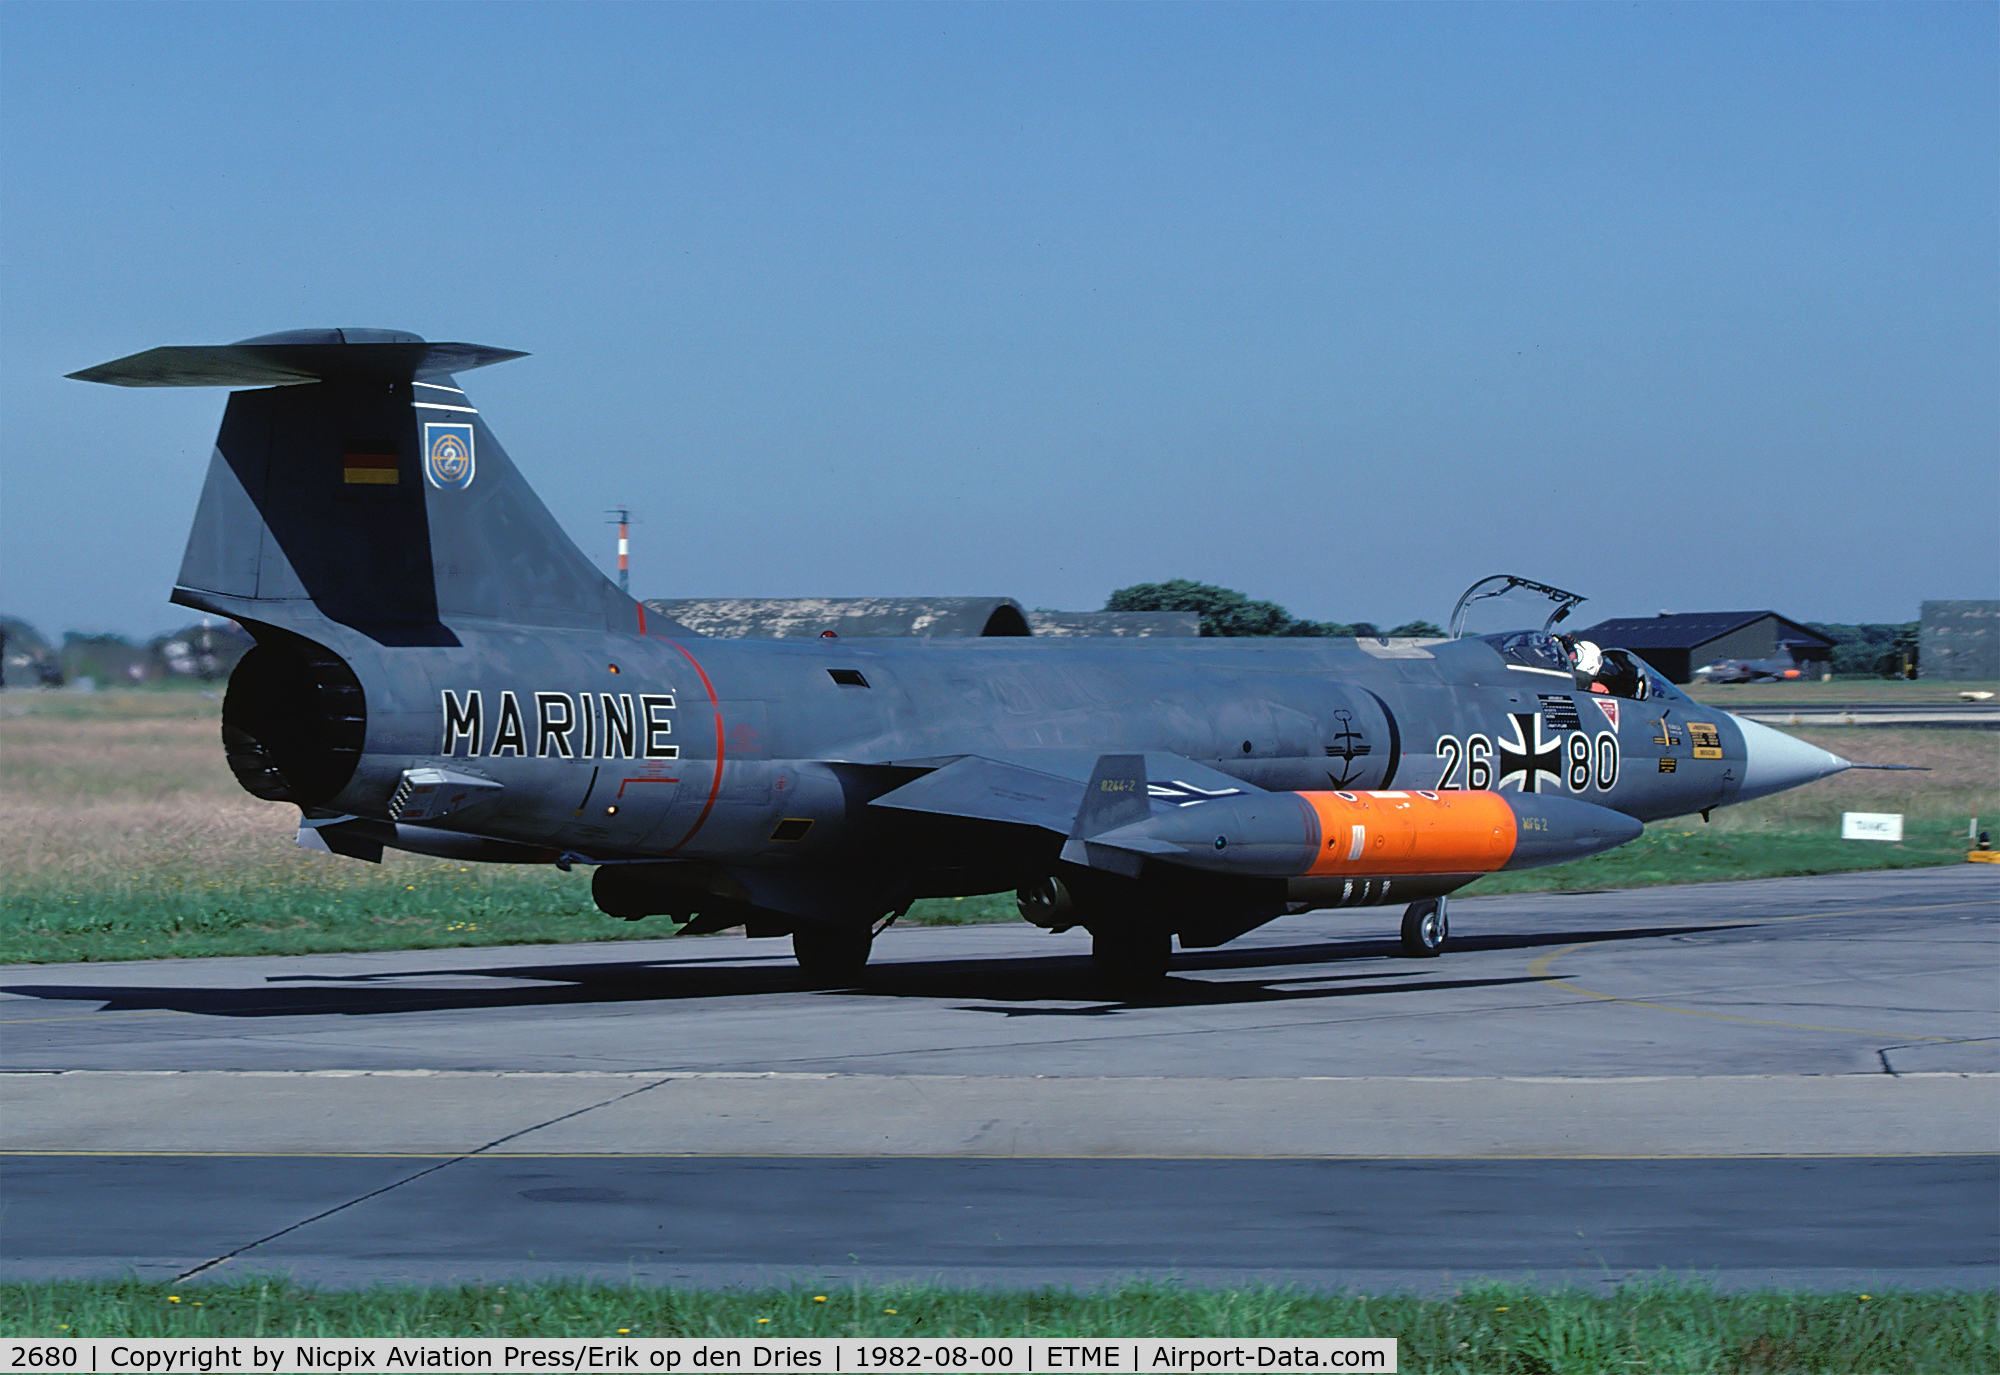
[(1685, 307)]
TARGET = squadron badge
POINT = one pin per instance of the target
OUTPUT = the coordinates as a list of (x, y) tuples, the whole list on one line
[(448, 455)]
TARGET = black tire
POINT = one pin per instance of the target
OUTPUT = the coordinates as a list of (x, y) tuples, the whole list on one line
[(1425, 929), (832, 956), (1130, 960)]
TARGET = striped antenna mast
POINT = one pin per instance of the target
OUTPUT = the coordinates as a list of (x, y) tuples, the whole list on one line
[(624, 547)]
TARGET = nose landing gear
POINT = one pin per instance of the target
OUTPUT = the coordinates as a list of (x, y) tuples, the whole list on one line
[(1425, 929)]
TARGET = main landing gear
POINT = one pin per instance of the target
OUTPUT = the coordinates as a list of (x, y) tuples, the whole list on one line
[(832, 956), (1130, 960), (1425, 928)]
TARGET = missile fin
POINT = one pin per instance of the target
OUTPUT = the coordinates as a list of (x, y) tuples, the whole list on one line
[(1115, 796)]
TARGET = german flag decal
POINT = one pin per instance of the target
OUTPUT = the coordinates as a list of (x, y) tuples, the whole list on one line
[(371, 461)]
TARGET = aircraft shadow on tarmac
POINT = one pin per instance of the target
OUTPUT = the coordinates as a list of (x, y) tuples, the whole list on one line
[(1000, 985)]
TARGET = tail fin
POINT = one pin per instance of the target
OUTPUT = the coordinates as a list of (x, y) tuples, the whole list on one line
[(360, 485)]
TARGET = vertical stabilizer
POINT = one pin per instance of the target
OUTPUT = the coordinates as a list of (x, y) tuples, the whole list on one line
[(360, 484)]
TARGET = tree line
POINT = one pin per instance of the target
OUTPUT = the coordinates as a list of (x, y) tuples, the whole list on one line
[(1874, 650), (202, 653), (1227, 612)]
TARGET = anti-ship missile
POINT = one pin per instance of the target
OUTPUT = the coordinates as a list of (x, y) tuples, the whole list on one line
[(1370, 834)]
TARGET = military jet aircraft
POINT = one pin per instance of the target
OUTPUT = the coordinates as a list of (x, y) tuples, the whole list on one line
[(438, 669), (1779, 668)]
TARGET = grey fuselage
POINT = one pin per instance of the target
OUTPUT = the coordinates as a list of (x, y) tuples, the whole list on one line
[(628, 747)]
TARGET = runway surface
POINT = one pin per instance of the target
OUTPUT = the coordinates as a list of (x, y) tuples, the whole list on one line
[(1780, 1082), (1866, 1224)]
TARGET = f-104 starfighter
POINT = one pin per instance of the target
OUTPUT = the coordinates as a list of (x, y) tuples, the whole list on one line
[(439, 669)]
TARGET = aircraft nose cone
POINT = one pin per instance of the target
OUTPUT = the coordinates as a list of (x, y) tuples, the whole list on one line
[(1774, 761)]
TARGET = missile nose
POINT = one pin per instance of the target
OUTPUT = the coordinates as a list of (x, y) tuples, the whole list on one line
[(1554, 830), (1774, 761)]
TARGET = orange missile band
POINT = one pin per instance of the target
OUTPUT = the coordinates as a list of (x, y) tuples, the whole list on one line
[(1384, 834), (1371, 833)]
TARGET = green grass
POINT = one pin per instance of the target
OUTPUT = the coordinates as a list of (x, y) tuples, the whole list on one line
[(1490, 1329), (231, 913), (975, 911)]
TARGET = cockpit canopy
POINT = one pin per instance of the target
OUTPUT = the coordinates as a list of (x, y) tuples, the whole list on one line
[(1607, 672)]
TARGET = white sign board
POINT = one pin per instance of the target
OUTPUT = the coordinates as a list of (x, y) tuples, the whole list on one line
[(1871, 825)]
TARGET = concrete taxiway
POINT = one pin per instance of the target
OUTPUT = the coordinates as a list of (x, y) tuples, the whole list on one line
[(1787, 1081)]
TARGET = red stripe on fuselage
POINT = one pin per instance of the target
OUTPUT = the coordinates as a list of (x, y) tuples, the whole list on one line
[(716, 786)]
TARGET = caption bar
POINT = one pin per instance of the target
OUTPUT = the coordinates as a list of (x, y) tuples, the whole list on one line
[(696, 1355)]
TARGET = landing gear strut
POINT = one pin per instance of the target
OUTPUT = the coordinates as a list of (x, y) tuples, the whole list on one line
[(1130, 960), (1425, 929), (832, 956)]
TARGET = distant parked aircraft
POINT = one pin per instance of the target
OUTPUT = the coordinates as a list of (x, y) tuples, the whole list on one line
[(1781, 667)]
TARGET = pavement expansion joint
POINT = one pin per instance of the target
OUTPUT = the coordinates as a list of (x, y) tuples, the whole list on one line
[(492, 1145)]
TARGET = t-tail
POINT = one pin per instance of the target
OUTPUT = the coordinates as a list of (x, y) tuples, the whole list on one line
[(357, 507), (358, 484)]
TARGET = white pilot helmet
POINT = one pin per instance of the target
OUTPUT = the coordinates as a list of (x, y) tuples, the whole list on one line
[(1589, 658)]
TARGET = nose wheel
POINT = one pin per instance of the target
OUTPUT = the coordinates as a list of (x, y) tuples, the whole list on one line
[(1425, 929)]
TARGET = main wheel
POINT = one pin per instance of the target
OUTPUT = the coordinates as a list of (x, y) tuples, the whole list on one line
[(1425, 928), (1130, 960), (832, 956)]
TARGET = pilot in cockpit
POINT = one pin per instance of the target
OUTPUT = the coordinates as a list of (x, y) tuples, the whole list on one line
[(1586, 660), (1613, 674)]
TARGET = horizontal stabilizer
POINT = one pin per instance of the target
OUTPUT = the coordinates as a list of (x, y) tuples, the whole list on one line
[(294, 357)]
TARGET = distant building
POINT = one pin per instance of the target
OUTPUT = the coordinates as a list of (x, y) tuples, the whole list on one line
[(206, 651), (798, 618), (1677, 645), (1171, 623), (23, 654), (1959, 642), (106, 660), (802, 618)]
